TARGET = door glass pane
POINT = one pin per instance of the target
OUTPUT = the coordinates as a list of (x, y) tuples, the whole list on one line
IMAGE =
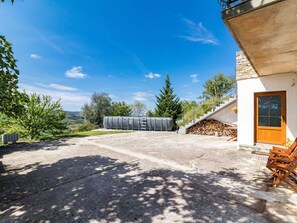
[(263, 105), (275, 121), (263, 121), (275, 106), (269, 111)]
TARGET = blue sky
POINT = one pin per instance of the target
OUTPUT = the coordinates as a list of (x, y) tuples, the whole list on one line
[(70, 49)]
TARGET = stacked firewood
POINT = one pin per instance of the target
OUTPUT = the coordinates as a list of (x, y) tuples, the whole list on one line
[(210, 127)]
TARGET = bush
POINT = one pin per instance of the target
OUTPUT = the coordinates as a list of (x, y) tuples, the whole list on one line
[(190, 115), (40, 116), (85, 127), (6, 126)]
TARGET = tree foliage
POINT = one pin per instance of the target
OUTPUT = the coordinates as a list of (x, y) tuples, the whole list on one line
[(192, 114), (187, 105), (99, 107), (216, 89), (218, 86), (150, 113), (10, 98), (12, 1), (120, 109), (168, 104), (40, 116), (138, 109)]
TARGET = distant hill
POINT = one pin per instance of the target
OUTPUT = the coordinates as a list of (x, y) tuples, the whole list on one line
[(76, 113), (74, 117)]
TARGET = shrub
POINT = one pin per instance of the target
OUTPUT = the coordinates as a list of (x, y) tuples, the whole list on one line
[(85, 127), (41, 116), (192, 114)]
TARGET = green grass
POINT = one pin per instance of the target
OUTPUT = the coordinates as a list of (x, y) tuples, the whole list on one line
[(75, 134), (83, 134)]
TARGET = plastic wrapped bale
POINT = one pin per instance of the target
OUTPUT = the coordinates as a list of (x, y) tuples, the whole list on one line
[(138, 123)]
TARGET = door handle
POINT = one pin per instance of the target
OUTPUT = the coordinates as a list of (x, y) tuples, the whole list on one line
[(282, 118)]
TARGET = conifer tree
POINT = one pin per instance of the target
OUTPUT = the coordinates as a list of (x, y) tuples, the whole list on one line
[(168, 104)]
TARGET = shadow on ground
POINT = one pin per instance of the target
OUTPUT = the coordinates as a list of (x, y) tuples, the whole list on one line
[(103, 189), (30, 146)]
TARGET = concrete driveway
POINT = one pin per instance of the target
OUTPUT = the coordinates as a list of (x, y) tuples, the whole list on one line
[(137, 177)]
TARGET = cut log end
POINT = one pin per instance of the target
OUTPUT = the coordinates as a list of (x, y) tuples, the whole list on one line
[(210, 127)]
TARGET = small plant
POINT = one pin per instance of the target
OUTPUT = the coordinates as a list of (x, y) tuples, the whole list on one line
[(288, 143), (235, 109)]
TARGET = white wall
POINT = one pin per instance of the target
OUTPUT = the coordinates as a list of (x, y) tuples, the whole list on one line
[(246, 90), (226, 115)]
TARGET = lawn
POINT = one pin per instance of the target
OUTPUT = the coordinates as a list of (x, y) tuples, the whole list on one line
[(74, 134), (83, 134)]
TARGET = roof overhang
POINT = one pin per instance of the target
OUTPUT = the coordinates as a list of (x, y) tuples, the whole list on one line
[(266, 31)]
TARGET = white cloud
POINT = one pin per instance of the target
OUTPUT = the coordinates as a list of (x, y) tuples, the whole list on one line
[(198, 33), (57, 87), (50, 41), (152, 75), (75, 72), (34, 56), (194, 78), (62, 87), (141, 96), (71, 101)]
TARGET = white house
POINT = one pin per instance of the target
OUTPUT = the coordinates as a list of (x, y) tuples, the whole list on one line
[(266, 32)]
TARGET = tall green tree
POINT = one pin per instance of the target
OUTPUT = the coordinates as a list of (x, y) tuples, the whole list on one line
[(215, 90), (168, 104), (218, 86), (40, 116), (121, 109), (99, 107), (10, 98)]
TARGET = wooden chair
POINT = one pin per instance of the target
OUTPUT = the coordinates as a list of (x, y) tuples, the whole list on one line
[(284, 169), (285, 173), (284, 150), (277, 152)]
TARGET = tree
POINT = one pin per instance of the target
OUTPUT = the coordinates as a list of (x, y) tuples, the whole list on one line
[(168, 104), (120, 109), (99, 107), (40, 116), (12, 1), (10, 98), (3, 123), (187, 105), (216, 87), (150, 113), (138, 109)]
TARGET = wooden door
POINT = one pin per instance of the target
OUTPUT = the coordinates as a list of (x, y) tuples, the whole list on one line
[(270, 117)]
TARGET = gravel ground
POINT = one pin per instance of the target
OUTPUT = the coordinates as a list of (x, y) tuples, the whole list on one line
[(138, 177)]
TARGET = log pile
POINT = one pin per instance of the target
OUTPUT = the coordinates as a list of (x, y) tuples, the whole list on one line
[(210, 126)]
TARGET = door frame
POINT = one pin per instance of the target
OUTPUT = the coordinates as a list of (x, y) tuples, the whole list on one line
[(284, 111)]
